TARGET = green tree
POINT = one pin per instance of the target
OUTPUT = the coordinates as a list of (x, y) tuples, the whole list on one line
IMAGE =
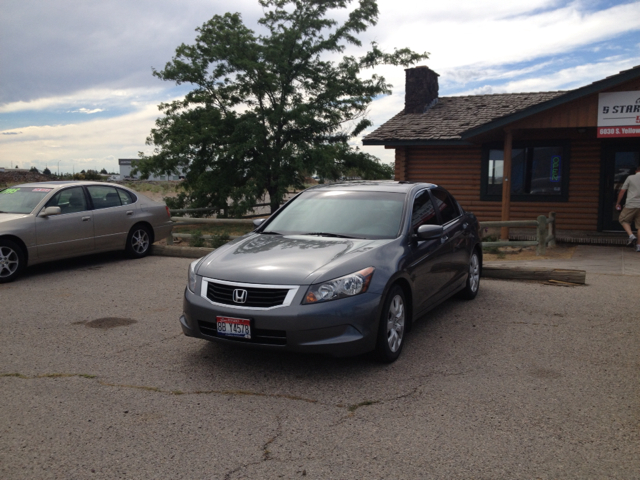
[(33, 170), (87, 175), (46, 171), (104, 171), (268, 110)]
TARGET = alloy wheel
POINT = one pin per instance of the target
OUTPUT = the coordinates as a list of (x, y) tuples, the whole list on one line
[(140, 241), (9, 262), (474, 273), (395, 323)]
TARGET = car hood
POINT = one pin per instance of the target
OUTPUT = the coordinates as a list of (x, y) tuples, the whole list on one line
[(8, 217), (285, 260)]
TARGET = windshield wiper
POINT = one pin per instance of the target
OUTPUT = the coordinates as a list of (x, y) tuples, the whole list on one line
[(270, 232), (326, 234)]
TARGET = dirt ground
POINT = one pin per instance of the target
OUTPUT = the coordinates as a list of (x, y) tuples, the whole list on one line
[(562, 252)]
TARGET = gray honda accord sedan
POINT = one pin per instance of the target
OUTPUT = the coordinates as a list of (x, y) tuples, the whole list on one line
[(47, 221), (340, 269)]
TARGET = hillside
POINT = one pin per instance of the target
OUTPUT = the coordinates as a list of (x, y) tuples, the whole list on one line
[(12, 177)]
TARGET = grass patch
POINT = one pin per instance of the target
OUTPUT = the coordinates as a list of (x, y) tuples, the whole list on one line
[(154, 187), (196, 239), (219, 240)]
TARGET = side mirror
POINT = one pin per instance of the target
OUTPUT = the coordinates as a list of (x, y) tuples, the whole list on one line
[(50, 211), (258, 221), (428, 232)]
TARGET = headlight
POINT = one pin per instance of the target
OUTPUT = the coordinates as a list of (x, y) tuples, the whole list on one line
[(346, 286), (191, 277)]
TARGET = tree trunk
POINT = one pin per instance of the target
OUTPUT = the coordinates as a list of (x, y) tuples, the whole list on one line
[(274, 203)]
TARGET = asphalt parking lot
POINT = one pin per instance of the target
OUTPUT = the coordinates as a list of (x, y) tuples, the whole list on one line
[(528, 381)]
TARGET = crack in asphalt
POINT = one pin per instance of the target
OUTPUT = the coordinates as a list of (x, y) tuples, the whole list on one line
[(266, 454), (350, 408), (47, 375)]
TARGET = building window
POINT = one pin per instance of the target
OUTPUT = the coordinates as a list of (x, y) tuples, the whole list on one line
[(538, 173)]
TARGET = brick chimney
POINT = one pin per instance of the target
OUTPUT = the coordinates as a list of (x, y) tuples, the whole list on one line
[(421, 89)]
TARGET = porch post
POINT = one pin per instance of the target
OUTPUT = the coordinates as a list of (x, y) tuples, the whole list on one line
[(506, 183)]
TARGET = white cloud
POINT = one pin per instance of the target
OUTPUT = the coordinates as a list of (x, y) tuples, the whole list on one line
[(112, 98), (87, 111), (93, 144), (564, 79)]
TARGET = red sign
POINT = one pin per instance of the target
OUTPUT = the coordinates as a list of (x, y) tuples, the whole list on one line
[(631, 131)]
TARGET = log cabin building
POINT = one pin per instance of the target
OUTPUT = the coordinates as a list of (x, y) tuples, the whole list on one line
[(519, 155)]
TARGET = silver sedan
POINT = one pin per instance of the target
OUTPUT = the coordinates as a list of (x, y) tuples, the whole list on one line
[(40, 222)]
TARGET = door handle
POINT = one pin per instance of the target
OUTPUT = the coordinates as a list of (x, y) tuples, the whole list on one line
[(86, 219), (129, 212)]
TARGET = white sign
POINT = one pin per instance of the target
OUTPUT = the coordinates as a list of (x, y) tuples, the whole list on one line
[(619, 114)]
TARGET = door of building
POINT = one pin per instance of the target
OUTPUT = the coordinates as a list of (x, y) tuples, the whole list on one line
[(620, 162)]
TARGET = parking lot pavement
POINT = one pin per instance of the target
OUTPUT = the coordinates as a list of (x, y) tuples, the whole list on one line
[(609, 260), (527, 381)]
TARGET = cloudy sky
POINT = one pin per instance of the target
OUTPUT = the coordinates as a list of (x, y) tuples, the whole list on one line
[(76, 90)]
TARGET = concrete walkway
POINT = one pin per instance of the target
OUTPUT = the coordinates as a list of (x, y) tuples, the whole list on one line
[(593, 259)]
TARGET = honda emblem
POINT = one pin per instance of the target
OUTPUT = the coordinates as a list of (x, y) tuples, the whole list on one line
[(239, 296)]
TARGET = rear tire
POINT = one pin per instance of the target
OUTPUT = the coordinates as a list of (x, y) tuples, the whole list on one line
[(12, 260), (392, 326), (139, 241), (473, 280)]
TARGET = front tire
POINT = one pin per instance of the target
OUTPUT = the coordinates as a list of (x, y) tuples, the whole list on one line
[(139, 241), (12, 261), (392, 326), (473, 280)]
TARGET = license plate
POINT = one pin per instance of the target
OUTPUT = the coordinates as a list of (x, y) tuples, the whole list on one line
[(234, 327)]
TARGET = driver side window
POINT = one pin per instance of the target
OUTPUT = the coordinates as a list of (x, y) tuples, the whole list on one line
[(70, 200), (423, 212), (447, 207)]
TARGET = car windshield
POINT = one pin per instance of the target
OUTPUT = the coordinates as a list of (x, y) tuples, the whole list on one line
[(341, 213), (21, 199)]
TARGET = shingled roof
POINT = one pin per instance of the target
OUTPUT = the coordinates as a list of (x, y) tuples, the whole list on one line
[(456, 119), (452, 116)]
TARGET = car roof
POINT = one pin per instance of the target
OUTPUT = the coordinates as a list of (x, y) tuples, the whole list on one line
[(64, 183), (374, 186)]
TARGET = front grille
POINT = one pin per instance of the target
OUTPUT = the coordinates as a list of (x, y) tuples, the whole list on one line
[(257, 297), (258, 335)]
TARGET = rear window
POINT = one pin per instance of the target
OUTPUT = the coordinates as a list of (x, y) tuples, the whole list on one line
[(21, 199)]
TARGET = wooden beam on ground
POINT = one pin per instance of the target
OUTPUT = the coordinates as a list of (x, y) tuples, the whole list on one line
[(184, 252), (532, 273)]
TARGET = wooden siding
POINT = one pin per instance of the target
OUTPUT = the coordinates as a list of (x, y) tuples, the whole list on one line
[(580, 113), (577, 114), (458, 169), (400, 164)]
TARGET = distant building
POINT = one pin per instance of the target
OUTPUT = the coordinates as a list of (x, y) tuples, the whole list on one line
[(125, 172)]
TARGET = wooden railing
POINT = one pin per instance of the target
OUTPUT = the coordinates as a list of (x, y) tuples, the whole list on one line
[(545, 233), (203, 221), (546, 229)]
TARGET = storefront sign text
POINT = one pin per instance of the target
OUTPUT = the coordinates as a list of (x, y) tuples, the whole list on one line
[(619, 114)]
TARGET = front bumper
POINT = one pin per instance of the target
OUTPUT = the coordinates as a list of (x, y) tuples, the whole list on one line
[(343, 327)]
